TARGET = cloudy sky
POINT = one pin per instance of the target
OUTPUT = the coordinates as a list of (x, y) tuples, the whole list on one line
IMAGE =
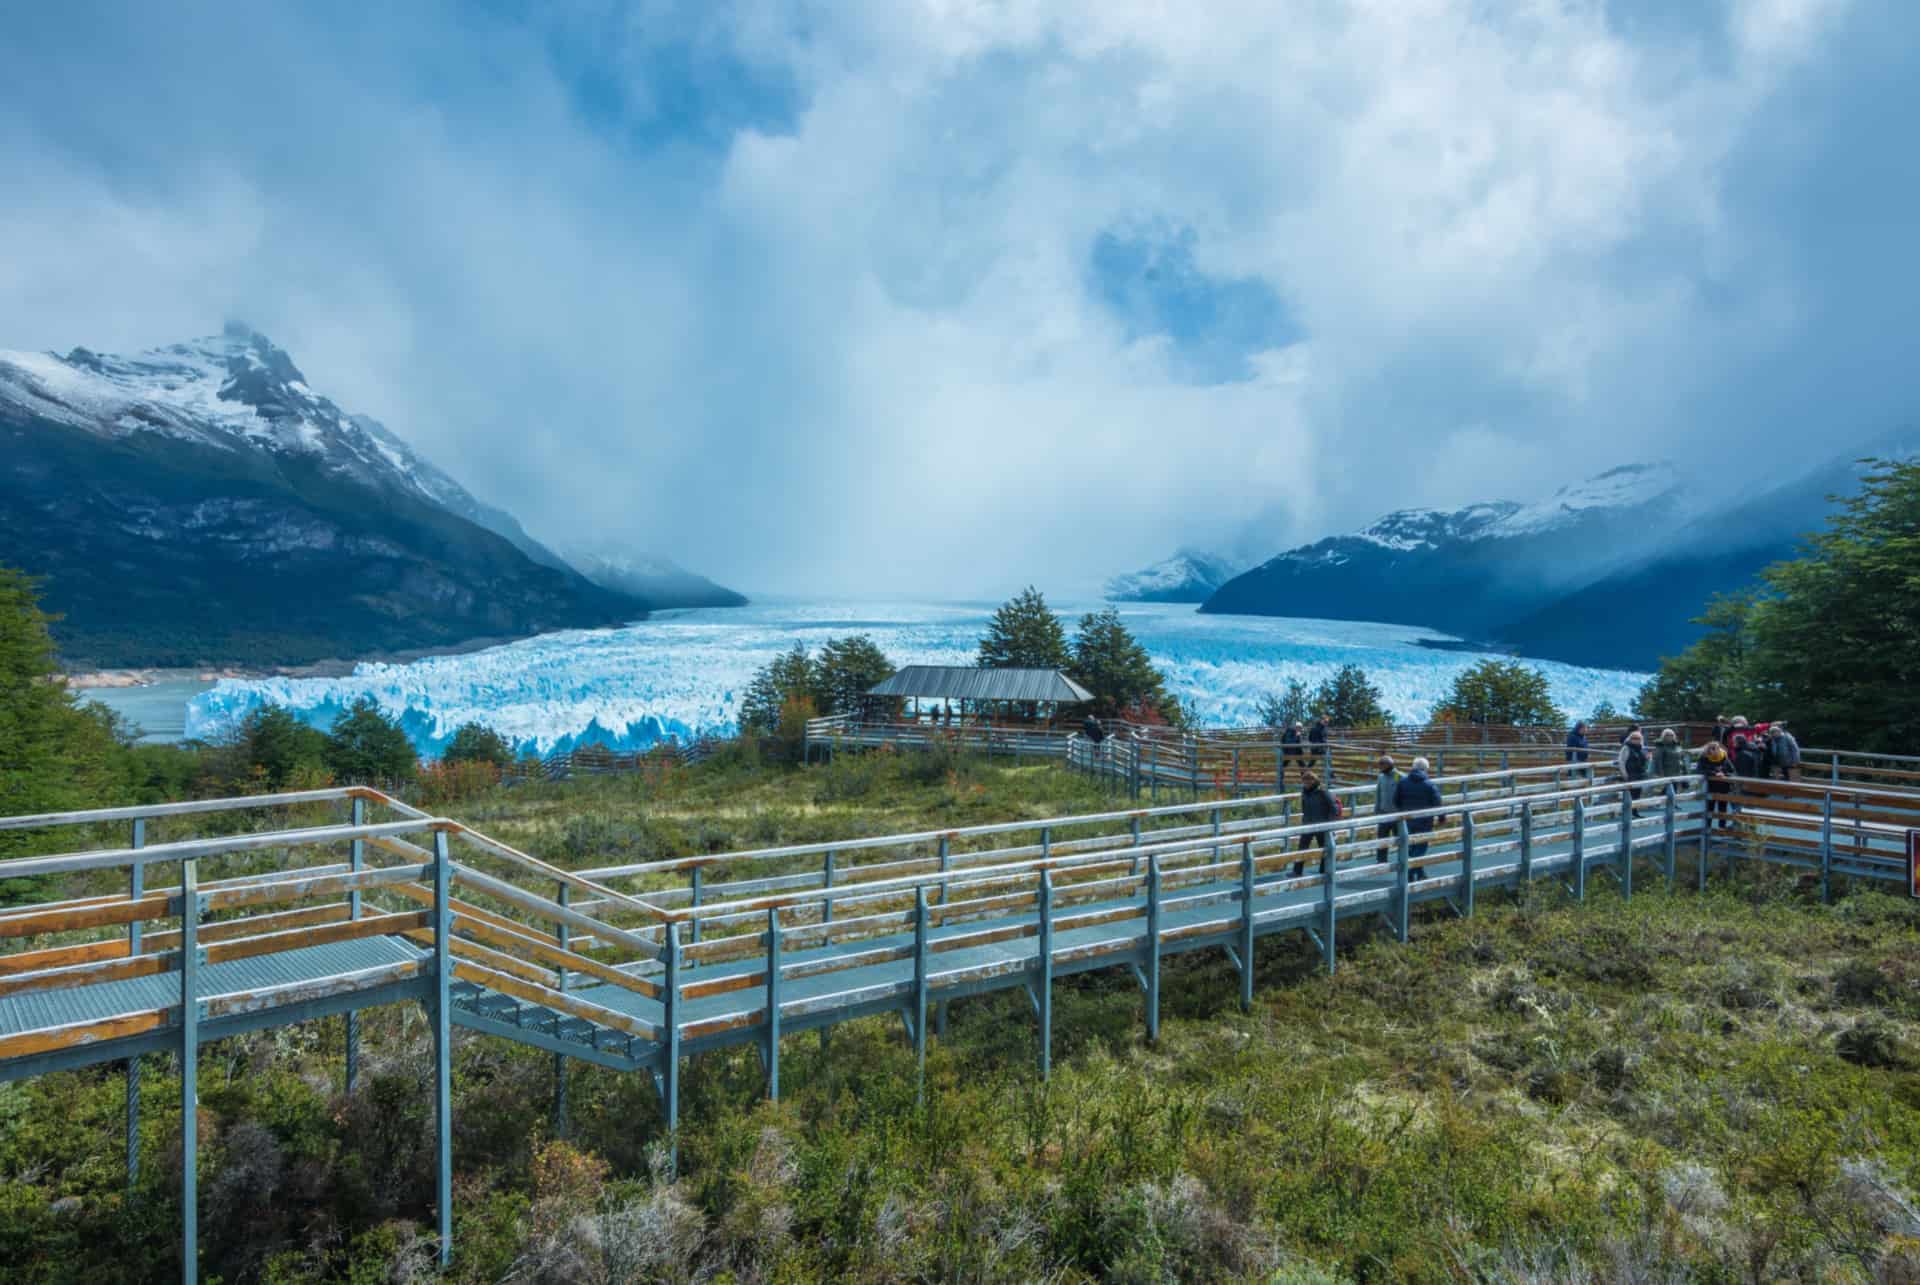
[(943, 296)]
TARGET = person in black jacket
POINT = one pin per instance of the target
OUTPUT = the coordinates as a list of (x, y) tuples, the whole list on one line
[(1577, 744), (1093, 731), (1414, 793), (1316, 806), (1290, 753), (1748, 758), (1634, 762)]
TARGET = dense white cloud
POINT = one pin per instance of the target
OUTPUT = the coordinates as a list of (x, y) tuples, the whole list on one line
[(804, 293)]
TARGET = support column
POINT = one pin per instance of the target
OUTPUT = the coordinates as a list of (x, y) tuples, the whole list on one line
[(1046, 973), (189, 1072), (1246, 926), (136, 887), (443, 1042), (356, 862), (565, 935), (1153, 947), (773, 1004)]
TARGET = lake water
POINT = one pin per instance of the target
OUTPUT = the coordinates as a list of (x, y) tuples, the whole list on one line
[(158, 709), (682, 673)]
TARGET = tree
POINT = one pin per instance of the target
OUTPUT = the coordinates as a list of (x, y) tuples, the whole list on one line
[(1349, 699), (1279, 709), (846, 670), (787, 677), (1499, 691), (1025, 634), (366, 745), (54, 755), (1109, 662), (1604, 712), (477, 743), (277, 747)]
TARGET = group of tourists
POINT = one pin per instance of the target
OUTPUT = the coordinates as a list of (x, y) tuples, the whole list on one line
[(1297, 742), (1737, 748)]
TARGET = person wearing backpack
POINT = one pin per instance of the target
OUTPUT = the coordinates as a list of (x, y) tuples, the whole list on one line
[(1669, 756), (1748, 758), (1384, 786), (1633, 761), (1415, 793), (1783, 750), (1317, 806)]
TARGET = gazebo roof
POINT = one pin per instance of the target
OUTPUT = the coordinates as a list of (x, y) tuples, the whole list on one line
[(965, 682)]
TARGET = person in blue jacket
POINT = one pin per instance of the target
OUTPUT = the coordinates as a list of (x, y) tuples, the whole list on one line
[(1414, 793), (1577, 744)]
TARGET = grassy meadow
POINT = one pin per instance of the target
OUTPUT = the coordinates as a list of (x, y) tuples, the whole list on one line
[(1719, 1087)]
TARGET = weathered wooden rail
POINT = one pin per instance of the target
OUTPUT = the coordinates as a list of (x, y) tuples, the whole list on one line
[(181, 938)]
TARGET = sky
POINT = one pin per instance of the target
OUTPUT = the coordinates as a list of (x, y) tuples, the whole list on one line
[(943, 297)]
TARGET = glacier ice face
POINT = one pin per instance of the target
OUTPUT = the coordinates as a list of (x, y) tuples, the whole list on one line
[(681, 674)]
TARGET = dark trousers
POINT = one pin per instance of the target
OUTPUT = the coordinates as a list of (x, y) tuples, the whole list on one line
[(1384, 832), (1326, 856)]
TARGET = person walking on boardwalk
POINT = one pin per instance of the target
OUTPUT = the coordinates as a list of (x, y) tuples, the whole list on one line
[(1414, 793), (1316, 807), (1669, 756), (1633, 760), (1317, 739), (1782, 750), (1291, 752), (1093, 731), (1717, 772), (1384, 786), (1577, 744)]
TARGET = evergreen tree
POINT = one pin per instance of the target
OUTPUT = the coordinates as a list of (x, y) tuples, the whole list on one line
[(846, 670), (277, 748), (365, 745), (1502, 692), (1110, 663), (1349, 699), (54, 755), (1025, 634), (787, 677), (1280, 709), (1710, 678), (477, 743)]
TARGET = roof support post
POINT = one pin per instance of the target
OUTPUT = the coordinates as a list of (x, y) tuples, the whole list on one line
[(135, 888), (356, 862), (443, 1041), (189, 1071)]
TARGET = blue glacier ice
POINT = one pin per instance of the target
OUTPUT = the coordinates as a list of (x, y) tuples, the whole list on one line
[(681, 674)]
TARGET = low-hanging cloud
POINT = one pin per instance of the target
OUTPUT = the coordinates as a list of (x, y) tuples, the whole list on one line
[(944, 297)]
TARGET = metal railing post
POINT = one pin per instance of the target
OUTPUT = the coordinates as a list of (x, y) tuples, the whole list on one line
[(1153, 947), (1046, 973), (1400, 880), (670, 1022), (1246, 926), (1329, 864), (1626, 844), (356, 862), (1826, 847), (564, 933), (1706, 836), (773, 1003), (699, 880), (443, 1040), (189, 1071), (826, 903), (1670, 835), (1580, 849), (1526, 843), (1466, 863), (136, 887), (1216, 834), (1236, 771), (920, 991)]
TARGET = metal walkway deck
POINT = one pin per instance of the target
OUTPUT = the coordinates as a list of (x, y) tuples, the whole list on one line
[(745, 948)]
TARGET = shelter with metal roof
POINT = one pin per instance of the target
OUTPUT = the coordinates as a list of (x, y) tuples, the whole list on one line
[(975, 693)]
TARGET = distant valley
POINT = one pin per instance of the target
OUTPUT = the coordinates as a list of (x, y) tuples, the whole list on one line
[(200, 504)]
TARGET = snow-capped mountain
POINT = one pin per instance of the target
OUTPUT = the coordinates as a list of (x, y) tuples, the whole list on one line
[(660, 581), (1468, 570), (201, 502), (1188, 576)]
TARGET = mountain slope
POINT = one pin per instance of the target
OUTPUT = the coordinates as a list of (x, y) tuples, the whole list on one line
[(200, 503), (1644, 611), (1467, 570), (1188, 576), (660, 582)]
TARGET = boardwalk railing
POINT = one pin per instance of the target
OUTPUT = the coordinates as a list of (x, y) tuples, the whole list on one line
[(172, 939)]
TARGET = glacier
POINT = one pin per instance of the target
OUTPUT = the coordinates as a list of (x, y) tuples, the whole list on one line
[(681, 674)]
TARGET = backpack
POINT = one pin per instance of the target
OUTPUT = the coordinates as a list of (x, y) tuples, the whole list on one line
[(1333, 802)]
